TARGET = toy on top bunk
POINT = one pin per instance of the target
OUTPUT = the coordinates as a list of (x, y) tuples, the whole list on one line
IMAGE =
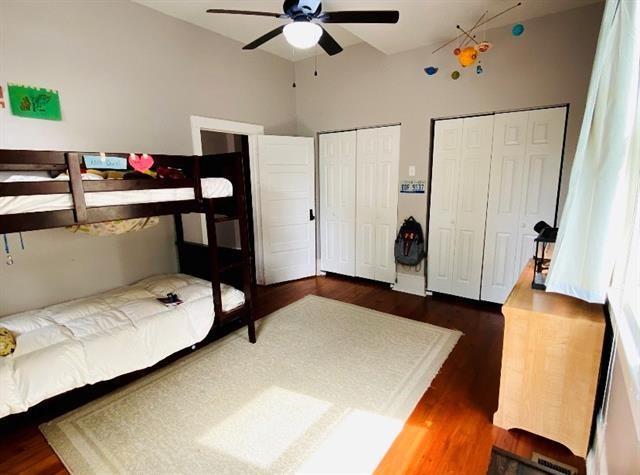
[(117, 168)]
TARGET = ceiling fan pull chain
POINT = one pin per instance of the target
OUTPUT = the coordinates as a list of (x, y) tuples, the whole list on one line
[(293, 50), (315, 72)]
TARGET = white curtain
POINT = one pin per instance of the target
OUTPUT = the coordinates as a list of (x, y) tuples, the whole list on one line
[(606, 167)]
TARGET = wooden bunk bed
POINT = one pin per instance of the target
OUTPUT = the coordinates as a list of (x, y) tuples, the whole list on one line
[(218, 265)]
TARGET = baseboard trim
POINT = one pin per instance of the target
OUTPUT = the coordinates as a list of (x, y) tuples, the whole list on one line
[(410, 284)]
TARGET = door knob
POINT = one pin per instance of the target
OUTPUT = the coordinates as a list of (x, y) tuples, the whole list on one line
[(311, 216)]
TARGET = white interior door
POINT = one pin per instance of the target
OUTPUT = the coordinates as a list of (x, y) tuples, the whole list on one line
[(505, 193), (366, 189), (377, 162), (527, 155), (338, 202), (447, 150), (541, 177), (471, 207), (387, 189), (287, 202)]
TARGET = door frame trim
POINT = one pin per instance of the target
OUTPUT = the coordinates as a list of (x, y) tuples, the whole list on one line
[(200, 123)]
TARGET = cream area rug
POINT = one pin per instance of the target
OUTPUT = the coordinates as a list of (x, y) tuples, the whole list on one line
[(326, 389)]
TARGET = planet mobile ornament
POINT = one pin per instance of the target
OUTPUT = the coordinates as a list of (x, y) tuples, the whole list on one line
[(479, 69), (517, 29), (456, 51), (481, 22), (431, 70), (483, 47), (455, 75), (467, 56)]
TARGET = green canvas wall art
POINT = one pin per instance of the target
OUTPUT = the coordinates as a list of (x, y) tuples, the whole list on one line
[(34, 102)]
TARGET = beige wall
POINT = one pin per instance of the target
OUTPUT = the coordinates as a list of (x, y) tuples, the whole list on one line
[(616, 446), (622, 440), (550, 64), (129, 79)]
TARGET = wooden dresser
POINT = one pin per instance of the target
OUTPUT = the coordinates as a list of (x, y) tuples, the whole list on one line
[(550, 364)]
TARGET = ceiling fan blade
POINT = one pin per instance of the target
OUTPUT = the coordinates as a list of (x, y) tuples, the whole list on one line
[(329, 44), (264, 38), (246, 12), (367, 16)]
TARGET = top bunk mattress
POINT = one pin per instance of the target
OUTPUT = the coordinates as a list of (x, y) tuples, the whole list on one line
[(211, 188)]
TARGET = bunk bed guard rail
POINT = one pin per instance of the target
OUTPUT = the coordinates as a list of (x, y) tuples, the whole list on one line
[(224, 166)]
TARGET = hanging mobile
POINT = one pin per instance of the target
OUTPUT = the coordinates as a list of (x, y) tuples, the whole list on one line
[(6, 250)]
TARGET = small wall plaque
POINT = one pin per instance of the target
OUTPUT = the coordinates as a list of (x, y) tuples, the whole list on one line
[(103, 162), (412, 186)]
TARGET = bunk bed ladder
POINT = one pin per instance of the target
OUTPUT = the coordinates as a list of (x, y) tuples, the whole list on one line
[(245, 251), (210, 209)]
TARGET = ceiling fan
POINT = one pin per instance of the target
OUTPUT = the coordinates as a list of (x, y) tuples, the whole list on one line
[(304, 30)]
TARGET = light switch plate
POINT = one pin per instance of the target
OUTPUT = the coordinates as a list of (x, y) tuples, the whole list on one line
[(412, 170)]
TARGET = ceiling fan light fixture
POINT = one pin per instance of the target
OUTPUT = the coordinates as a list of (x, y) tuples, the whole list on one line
[(302, 34)]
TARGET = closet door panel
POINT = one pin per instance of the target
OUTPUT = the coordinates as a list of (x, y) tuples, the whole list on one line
[(503, 209), (366, 200), (447, 149), (338, 202), (388, 159), (543, 159), (471, 209)]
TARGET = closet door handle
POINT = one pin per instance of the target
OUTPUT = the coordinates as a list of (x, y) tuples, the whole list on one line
[(311, 216)]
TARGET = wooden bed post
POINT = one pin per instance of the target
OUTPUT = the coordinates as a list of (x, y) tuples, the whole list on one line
[(213, 260), (77, 190), (245, 244)]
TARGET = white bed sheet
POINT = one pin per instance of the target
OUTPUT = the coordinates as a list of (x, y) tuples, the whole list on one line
[(211, 188), (65, 346)]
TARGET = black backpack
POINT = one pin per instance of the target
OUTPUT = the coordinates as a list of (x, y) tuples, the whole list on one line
[(409, 246)]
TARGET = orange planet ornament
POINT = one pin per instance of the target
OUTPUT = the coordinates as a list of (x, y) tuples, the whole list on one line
[(467, 56)]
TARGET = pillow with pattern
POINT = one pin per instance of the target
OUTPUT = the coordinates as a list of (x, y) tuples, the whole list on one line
[(7, 342)]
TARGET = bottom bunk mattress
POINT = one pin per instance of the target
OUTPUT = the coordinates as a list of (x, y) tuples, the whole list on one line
[(68, 345)]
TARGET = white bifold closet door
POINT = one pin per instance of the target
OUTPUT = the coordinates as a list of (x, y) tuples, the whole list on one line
[(527, 157), (378, 157), (460, 183), (338, 202)]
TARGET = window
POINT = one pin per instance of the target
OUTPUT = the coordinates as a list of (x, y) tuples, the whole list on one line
[(624, 300)]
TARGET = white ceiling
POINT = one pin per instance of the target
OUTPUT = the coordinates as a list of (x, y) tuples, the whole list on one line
[(422, 22)]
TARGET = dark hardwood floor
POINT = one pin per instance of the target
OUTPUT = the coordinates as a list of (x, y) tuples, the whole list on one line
[(449, 432)]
